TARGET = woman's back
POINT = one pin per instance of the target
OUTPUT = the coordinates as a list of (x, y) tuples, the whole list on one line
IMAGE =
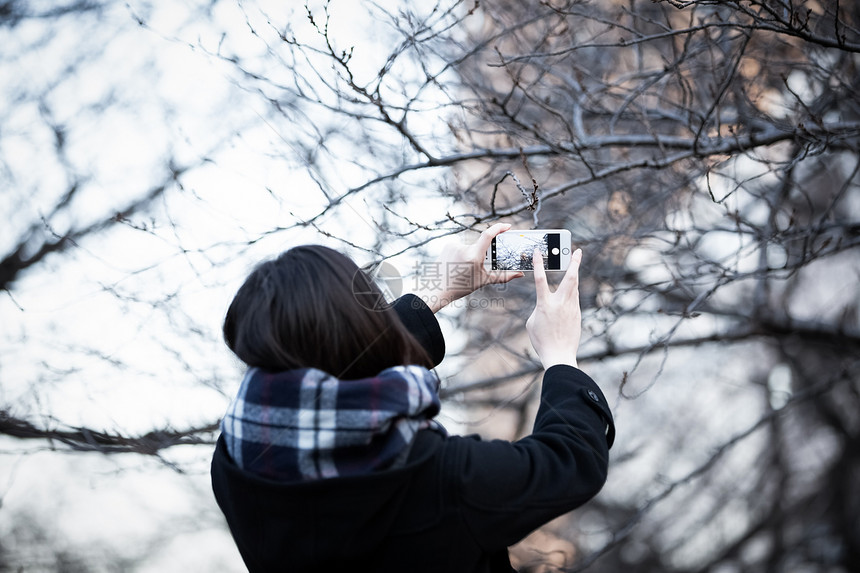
[(329, 460)]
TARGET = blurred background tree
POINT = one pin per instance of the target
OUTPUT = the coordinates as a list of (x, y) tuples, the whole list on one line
[(703, 154)]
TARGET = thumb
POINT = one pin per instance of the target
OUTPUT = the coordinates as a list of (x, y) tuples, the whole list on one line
[(499, 277), (541, 288)]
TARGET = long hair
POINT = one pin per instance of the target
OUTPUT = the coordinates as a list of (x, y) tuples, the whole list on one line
[(312, 307)]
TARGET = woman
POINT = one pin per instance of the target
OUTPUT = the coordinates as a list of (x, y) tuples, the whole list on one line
[(329, 459)]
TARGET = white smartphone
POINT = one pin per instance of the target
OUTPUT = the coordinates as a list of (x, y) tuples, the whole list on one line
[(513, 250)]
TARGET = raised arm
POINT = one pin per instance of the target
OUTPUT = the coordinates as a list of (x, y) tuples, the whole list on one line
[(509, 489)]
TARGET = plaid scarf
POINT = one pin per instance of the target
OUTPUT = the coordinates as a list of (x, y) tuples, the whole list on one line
[(306, 424)]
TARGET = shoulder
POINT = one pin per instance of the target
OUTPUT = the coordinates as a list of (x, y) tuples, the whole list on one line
[(420, 321)]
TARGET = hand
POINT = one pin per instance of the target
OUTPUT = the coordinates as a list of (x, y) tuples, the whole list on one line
[(461, 269), (555, 325)]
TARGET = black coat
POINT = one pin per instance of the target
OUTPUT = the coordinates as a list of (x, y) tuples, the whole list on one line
[(456, 505)]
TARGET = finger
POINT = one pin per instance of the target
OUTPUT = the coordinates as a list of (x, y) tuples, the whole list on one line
[(489, 234), (570, 282), (499, 277), (541, 287)]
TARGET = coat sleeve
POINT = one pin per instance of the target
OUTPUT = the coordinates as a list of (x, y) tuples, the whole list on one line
[(508, 489), (421, 322)]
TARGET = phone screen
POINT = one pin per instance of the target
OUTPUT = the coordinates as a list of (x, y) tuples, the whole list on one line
[(513, 250)]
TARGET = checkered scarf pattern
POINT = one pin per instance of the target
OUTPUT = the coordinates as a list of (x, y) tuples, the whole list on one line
[(305, 424)]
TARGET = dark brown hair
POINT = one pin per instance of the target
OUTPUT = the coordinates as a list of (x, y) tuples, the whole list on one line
[(314, 307)]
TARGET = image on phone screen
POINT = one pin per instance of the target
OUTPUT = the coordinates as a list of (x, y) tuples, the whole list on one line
[(513, 251)]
